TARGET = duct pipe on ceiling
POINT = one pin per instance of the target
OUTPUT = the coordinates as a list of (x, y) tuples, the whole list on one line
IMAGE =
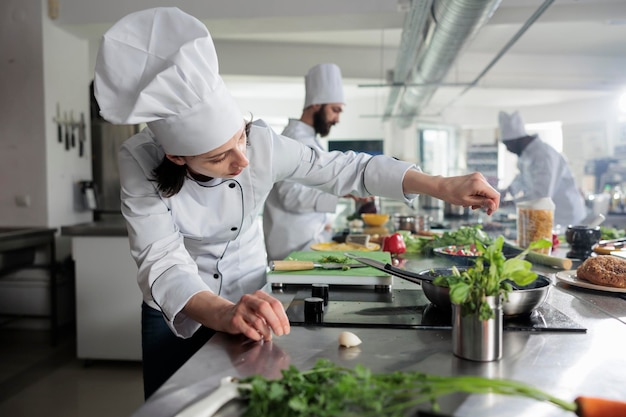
[(506, 47), (451, 24), (413, 33)]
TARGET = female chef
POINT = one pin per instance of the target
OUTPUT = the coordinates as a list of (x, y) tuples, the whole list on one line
[(194, 181)]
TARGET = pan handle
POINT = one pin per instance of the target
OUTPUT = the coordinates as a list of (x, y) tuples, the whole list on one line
[(392, 270), (408, 275)]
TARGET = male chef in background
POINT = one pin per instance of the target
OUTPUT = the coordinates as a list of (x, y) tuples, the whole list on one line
[(543, 172), (296, 216)]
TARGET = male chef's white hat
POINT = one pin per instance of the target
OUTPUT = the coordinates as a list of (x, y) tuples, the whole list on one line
[(511, 126), (159, 66), (323, 85)]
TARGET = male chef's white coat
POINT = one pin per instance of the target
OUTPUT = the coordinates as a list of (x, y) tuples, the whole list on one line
[(207, 236), (295, 216), (544, 172)]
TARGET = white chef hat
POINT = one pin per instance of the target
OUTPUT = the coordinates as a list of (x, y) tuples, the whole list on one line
[(511, 126), (323, 85), (160, 66)]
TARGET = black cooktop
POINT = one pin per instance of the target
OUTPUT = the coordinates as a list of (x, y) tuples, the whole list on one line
[(410, 309)]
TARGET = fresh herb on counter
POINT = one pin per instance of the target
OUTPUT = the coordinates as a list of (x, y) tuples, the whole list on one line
[(331, 390), (331, 259)]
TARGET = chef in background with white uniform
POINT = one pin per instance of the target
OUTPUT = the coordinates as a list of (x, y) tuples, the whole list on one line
[(296, 216), (194, 182), (543, 172)]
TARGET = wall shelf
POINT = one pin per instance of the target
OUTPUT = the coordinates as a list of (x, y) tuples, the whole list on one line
[(484, 159)]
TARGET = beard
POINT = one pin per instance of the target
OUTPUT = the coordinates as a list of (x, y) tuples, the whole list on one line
[(320, 123)]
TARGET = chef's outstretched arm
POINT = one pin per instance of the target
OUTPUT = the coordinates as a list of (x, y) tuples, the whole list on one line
[(256, 315), (471, 190)]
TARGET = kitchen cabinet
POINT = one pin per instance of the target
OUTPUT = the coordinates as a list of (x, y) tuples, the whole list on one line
[(29, 287), (108, 300)]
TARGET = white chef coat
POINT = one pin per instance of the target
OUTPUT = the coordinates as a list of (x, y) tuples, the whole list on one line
[(207, 236), (295, 216), (544, 172)]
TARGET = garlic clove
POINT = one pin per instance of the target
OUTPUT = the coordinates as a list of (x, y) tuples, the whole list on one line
[(349, 339)]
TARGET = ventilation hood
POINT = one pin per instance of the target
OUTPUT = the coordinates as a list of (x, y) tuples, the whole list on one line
[(434, 33)]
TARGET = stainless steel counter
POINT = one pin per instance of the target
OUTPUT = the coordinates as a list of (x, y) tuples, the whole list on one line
[(564, 364)]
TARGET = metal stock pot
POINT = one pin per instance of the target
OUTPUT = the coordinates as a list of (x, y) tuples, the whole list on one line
[(412, 223), (521, 301), (455, 211)]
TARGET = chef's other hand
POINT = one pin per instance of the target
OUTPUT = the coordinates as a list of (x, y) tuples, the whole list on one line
[(256, 315)]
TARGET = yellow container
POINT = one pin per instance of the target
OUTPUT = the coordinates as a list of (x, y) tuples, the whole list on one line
[(374, 219), (535, 220)]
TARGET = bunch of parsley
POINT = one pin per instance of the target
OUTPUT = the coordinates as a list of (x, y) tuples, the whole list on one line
[(330, 390)]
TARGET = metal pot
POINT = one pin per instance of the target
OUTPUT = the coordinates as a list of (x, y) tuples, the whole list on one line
[(430, 202), (439, 296), (524, 300), (453, 210), (477, 339), (412, 223), (521, 301)]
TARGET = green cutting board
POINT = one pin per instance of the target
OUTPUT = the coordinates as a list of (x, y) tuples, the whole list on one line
[(353, 276)]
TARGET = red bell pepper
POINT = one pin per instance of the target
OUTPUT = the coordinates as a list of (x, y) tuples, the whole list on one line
[(394, 243), (555, 241)]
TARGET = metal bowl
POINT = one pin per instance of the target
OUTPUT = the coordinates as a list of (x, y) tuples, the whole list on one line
[(521, 301), (525, 299)]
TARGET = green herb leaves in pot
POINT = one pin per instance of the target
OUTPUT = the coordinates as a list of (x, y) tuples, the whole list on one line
[(491, 275)]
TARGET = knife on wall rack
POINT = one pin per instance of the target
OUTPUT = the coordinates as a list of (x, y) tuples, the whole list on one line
[(59, 123), (72, 129), (67, 132), (81, 135)]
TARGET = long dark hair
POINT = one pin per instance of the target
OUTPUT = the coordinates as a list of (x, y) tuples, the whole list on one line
[(170, 177)]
